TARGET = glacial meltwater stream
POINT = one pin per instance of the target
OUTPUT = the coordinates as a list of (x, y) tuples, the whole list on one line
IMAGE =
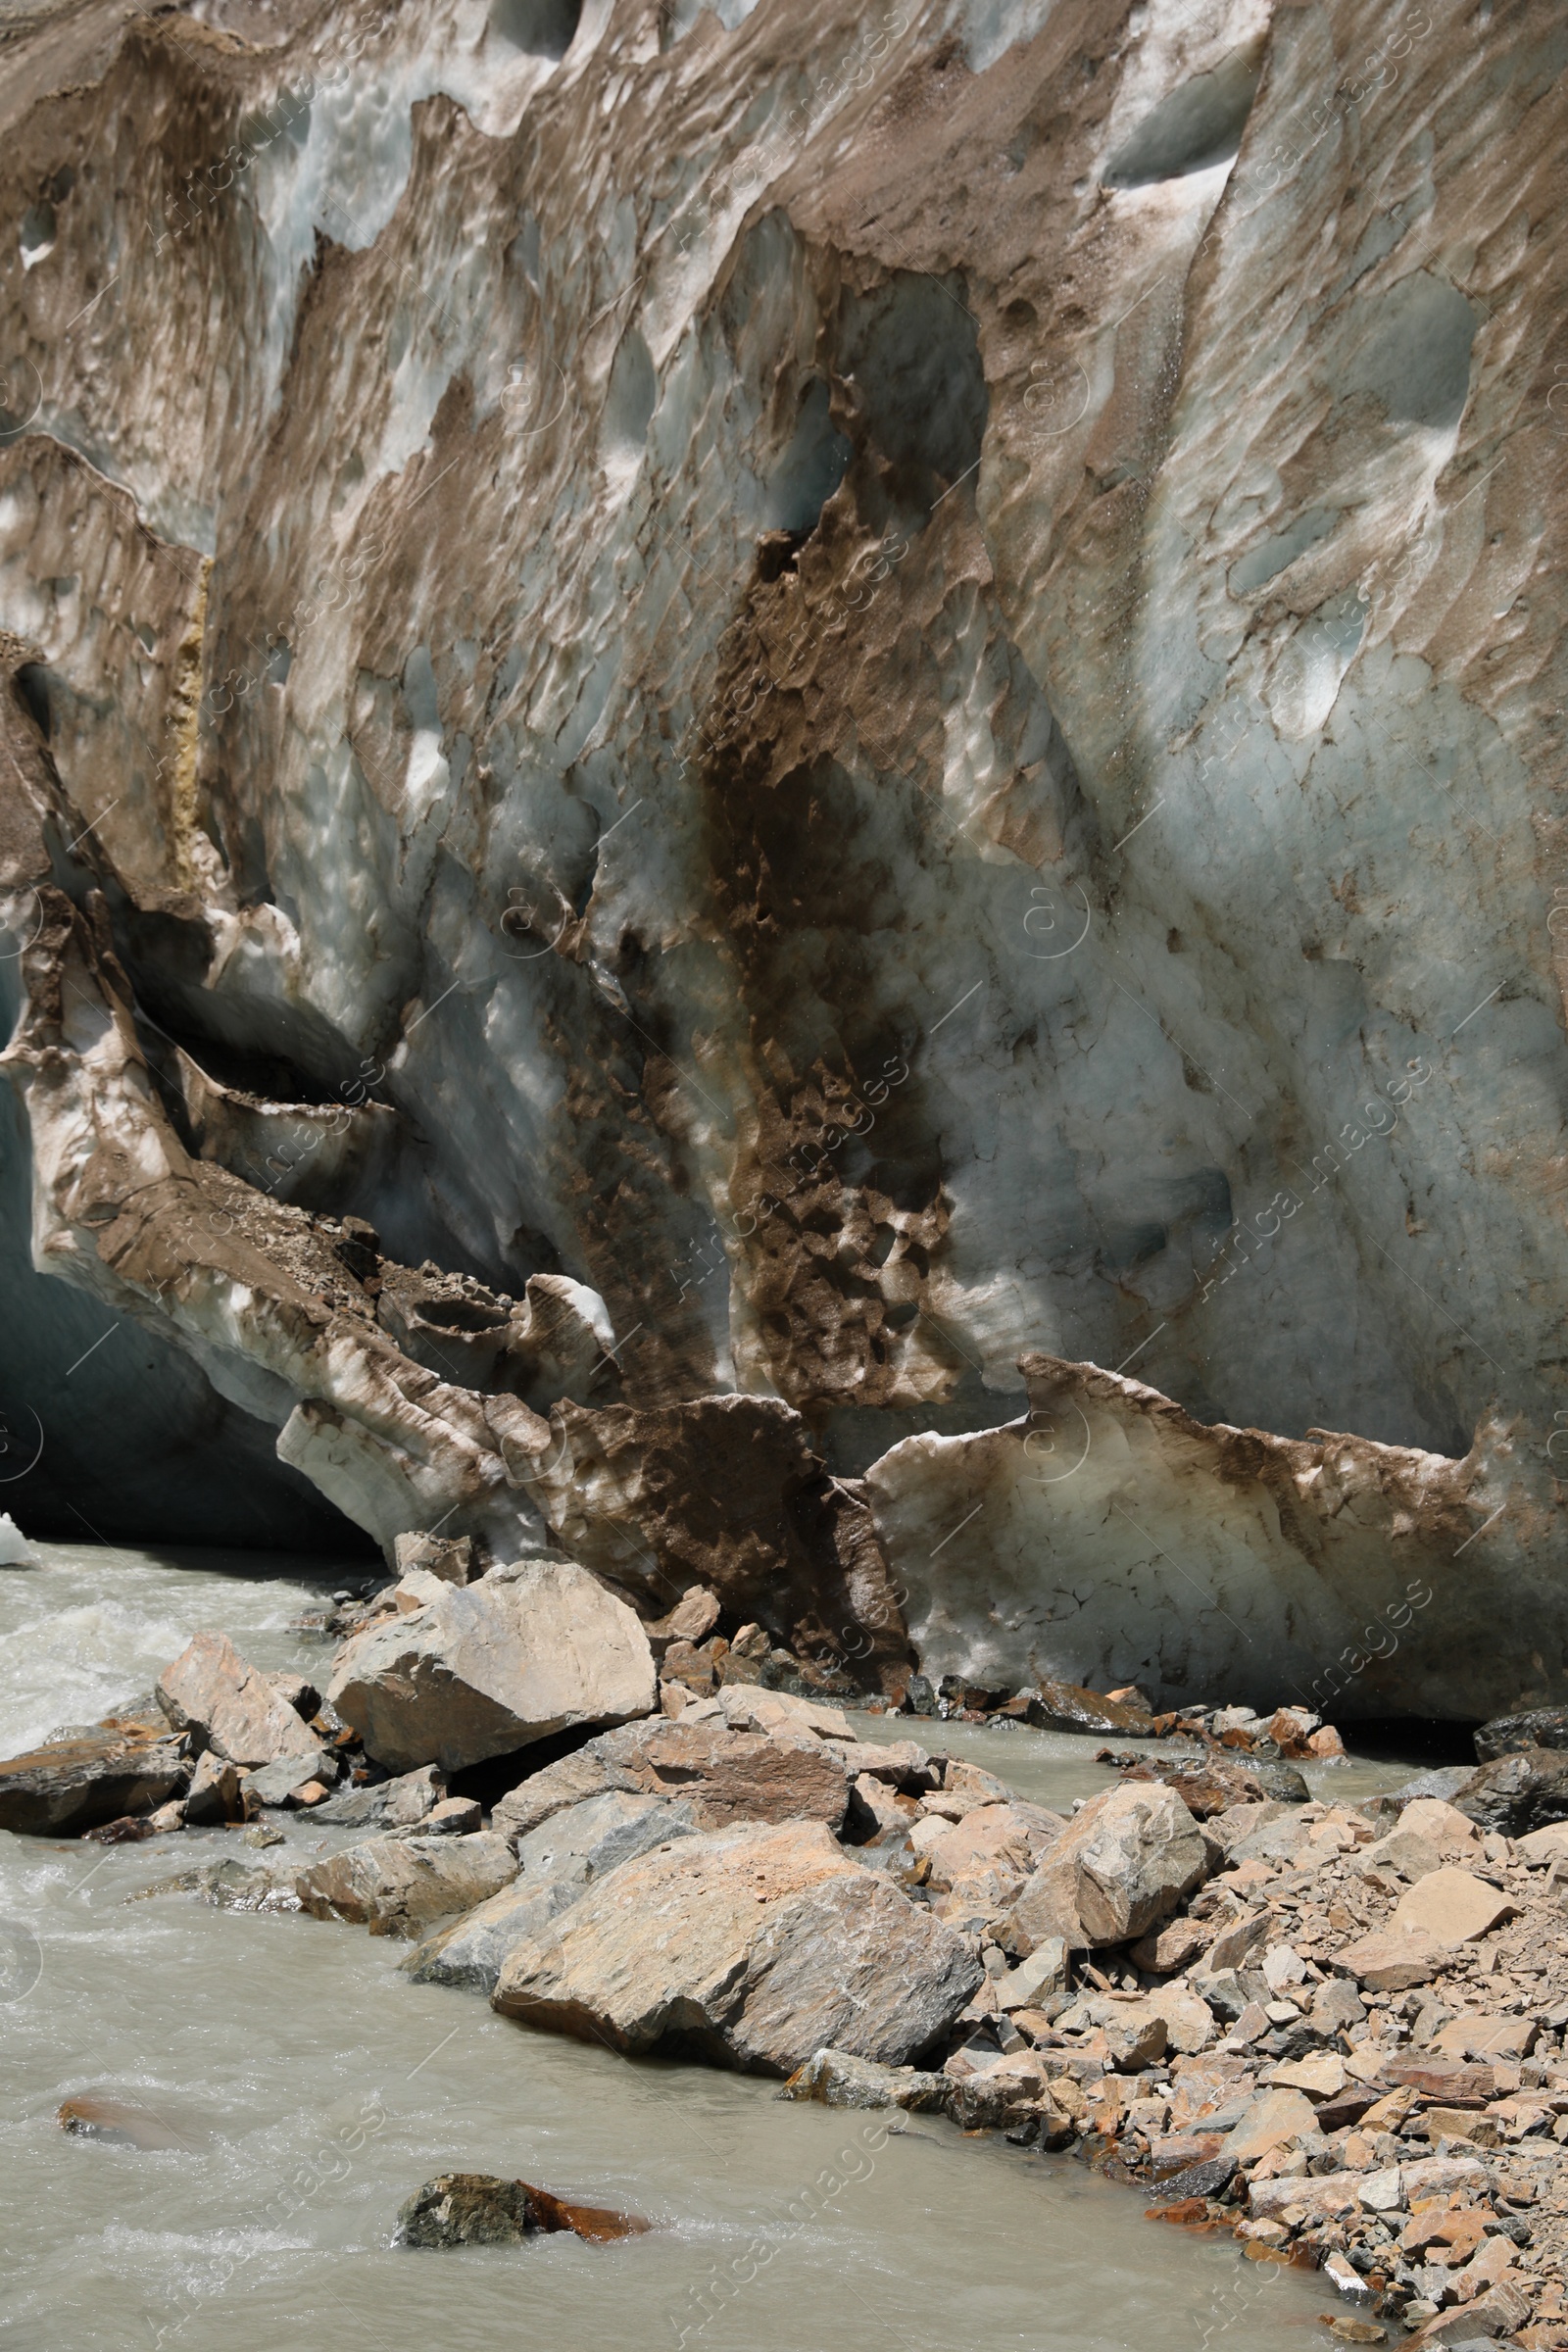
[(304, 2087)]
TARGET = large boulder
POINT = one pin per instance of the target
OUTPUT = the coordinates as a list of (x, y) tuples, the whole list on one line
[(394, 1885), (74, 1784), (724, 1776), (751, 1947), (1509, 1735), (472, 1670), (1119, 1867), (1518, 1792), (231, 1706), (555, 1862)]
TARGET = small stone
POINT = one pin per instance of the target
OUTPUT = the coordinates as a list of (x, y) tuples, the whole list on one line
[(260, 1836), (1354, 2331), (693, 1618), (1487, 2037), (1283, 1965), (1041, 1973), (1382, 2193)]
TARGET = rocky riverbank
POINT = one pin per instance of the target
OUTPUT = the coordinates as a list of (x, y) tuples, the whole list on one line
[(1334, 2030)]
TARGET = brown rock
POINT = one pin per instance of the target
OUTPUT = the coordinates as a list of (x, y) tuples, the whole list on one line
[(1390, 1960), (1460, 2123), (73, 1784), (725, 1775), (120, 2122), (693, 1618), (1444, 2078), (1496, 2314), (448, 1557), (1068, 1707), (214, 1794), (476, 2209), (1273, 2116), (1171, 1947), (230, 1706), (771, 1944), (1487, 2037), (1016, 1835), (683, 1662)]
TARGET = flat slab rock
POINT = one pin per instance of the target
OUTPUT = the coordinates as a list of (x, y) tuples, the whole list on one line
[(478, 2209), (76, 1785), (725, 1775), (556, 1863), (393, 1884), (394, 1804), (231, 1706), (474, 1671), (750, 1947)]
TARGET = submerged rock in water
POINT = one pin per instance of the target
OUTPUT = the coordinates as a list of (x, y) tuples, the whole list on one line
[(391, 1885), (121, 2123), (227, 1886), (101, 1775), (837, 2078), (474, 1671), (770, 1943), (231, 1706), (478, 2209), (1056, 1706)]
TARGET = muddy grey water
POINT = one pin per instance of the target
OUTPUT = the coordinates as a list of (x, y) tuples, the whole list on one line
[(307, 2087)]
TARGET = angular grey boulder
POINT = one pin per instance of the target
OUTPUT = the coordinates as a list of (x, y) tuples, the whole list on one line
[(557, 1862), (396, 1804), (835, 2079), (280, 1783), (1119, 1867), (229, 1705), (393, 1884), (473, 1671), (750, 1947)]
